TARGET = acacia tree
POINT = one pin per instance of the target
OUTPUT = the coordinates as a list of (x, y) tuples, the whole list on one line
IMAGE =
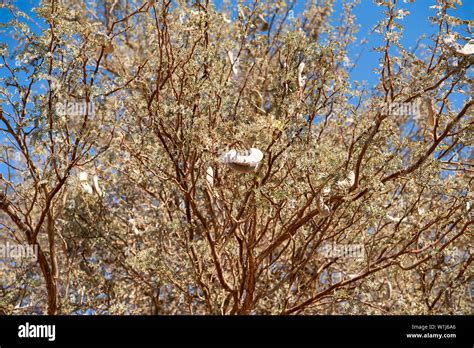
[(167, 226)]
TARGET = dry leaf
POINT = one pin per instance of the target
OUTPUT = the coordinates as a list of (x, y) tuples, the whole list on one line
[(109, 48), (262, 23), (430, 121)]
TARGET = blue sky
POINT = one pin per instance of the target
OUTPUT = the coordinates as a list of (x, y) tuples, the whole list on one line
[(367, 15), (416, 24)]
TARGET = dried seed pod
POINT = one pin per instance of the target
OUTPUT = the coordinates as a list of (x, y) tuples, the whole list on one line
[(393, 218), (243, 163), (468, 49), (323, 209), (257, 98), (348, 182), (430, 120), (451, 43), (233, 62), (83, 179), (326, 190), (227, 20), (301, 78), (210, 176), (97, 189), (429, 112)]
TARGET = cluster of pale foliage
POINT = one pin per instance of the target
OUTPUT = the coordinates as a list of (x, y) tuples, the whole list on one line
[(174, 86)]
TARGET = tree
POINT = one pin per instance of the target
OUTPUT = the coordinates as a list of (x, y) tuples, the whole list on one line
[(115, 123)]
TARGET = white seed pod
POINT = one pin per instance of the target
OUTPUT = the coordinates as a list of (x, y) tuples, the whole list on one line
[(227, 20), (210, 176), (451, 43), (243, 163), (323, 209), (348, 182), (83, 176), (326, 190), (234, 62), (86, 187), (398, 219), (393, 218), (97, 189), (301, 78), (351, 178), (468, 48), (43, 183)]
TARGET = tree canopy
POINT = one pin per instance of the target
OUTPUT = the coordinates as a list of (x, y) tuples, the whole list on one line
[(126, 128)]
